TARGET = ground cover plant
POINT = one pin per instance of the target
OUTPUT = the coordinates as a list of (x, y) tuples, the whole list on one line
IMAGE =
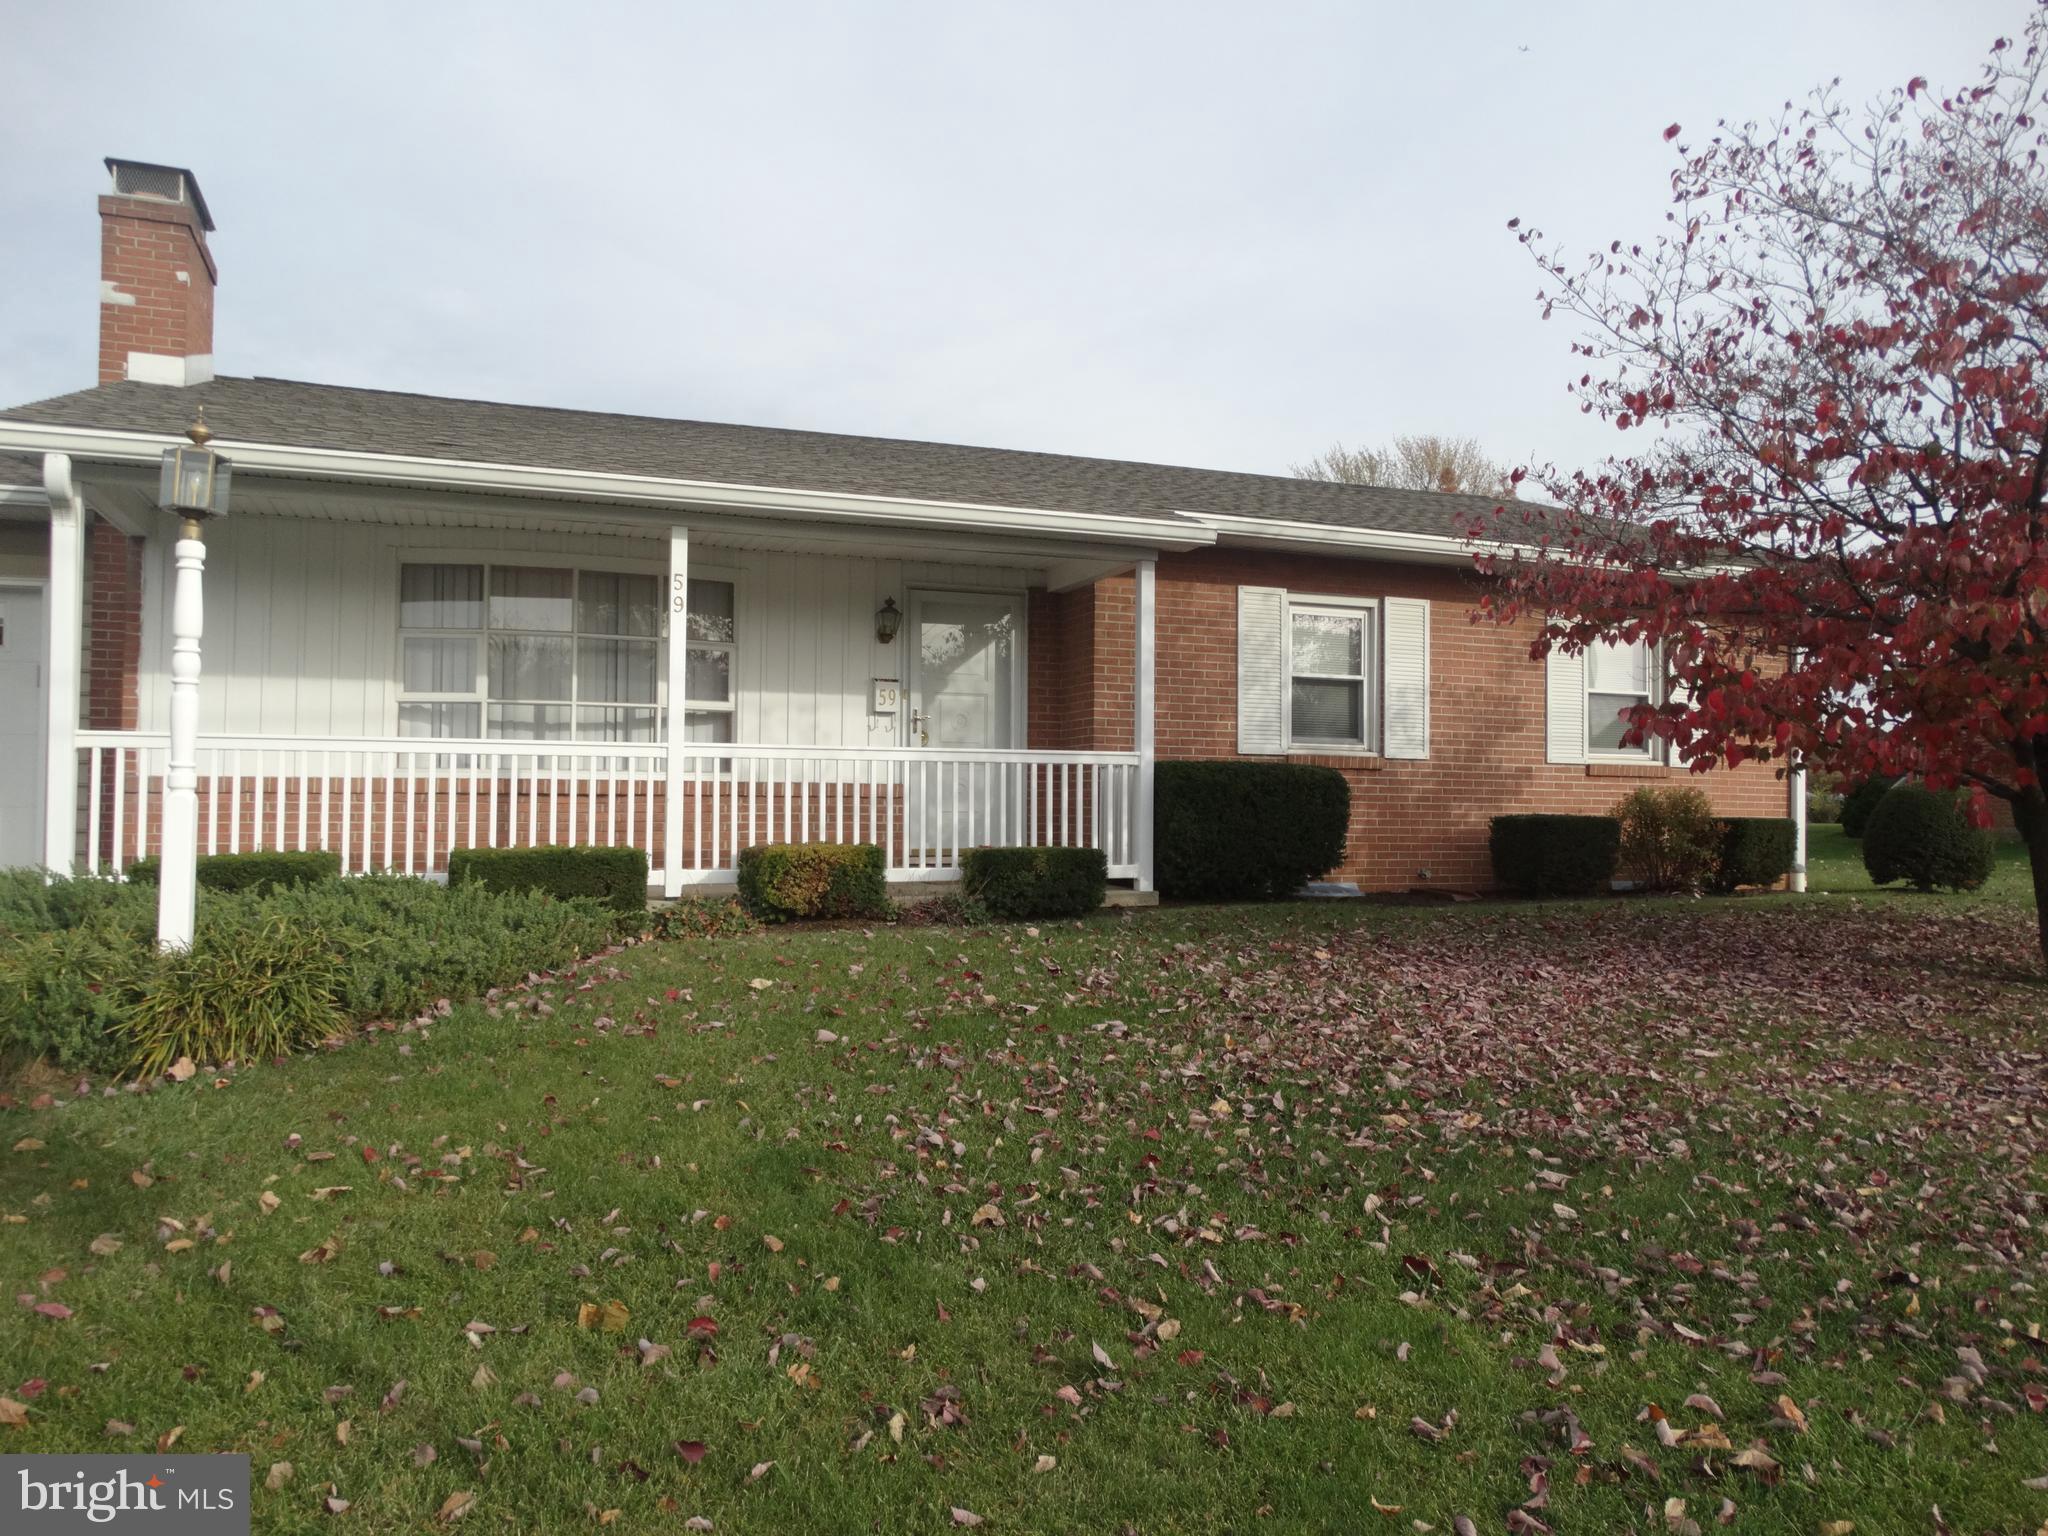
[(83, 988), (1234, 1219)]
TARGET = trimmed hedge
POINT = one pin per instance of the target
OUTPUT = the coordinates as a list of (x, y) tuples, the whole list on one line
[(1859, 802), (1755, 850), (1229, 831), (1925, 839), (783, 881), (1539, 855), (275, 871), (615, 876), (1035, 882)]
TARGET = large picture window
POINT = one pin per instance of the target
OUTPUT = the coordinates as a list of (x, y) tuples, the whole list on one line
[(539, 653), (1329, 673)]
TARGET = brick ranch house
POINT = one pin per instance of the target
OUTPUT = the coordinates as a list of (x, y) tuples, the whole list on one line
[(434, 622)]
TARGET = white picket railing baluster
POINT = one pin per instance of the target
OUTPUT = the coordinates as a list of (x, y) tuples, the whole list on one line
[(924, 807)]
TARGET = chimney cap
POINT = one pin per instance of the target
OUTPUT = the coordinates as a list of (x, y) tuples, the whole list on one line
[(144, 172)]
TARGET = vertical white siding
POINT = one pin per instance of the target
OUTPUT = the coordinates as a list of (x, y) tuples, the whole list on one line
[(302, 626)]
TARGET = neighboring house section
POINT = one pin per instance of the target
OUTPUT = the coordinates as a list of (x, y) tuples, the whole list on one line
[(435, 622)]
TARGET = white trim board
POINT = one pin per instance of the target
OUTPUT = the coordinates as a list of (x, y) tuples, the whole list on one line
[(98, 445)]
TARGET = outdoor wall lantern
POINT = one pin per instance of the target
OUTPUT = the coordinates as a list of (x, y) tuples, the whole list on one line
[(887, 620)]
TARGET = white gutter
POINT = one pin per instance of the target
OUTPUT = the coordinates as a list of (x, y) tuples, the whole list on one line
[(1415, 548), (104, 446)]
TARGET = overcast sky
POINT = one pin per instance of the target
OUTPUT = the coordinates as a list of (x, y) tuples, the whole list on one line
[(1216, 234)]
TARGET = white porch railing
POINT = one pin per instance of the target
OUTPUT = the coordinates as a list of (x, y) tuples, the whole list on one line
[(403, 805)]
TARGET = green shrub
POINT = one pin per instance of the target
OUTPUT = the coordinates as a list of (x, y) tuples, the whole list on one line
[(1541, 855), (1670, 840), (1035, 882), (65, 994), (1925, 839), (615, 876), (1860, 801), (249, 871), (32, 902), (241, 995), (98, 996), (403, 944), (1230, 831), (781, 881), (1755, 850), (692, 919)]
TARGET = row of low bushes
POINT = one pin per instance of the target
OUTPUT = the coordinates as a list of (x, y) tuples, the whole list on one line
[(249, 871), (1663, 840), (1223, 831), (1670, 839), (272, 967), (782, 882)]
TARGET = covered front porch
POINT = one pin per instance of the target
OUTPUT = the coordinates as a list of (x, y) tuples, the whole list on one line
[(394, 673)]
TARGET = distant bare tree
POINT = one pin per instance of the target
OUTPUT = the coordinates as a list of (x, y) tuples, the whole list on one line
[(1422, 462)]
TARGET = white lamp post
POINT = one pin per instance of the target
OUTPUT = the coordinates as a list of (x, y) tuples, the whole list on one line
[(194, 488)]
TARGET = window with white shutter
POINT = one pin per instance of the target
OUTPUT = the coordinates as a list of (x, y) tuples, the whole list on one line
[(1332, 674), (1587, 696)]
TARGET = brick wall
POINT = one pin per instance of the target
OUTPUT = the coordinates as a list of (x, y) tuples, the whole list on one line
[(144, 246), (113, 628), (1486, 739)]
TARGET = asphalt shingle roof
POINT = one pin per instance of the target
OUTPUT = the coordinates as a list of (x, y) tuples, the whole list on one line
[(429, 426)]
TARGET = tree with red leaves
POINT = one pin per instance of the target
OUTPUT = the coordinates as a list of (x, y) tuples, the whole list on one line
[(1838, 537)]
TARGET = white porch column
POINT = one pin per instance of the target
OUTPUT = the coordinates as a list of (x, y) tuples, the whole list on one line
[(1143, 712), (63, 647), (1795, 807), (178, 876), (678, 672)]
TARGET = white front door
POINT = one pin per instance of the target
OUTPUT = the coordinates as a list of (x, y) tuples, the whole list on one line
[(966, 692), (22, 720)]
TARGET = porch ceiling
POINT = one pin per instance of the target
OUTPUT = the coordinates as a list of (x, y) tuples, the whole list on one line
[(130, 495)]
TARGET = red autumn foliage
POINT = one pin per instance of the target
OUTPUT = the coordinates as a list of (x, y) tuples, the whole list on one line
[(1836, 532)]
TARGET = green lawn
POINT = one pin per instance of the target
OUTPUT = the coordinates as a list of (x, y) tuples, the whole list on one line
[(1202, 1220), (1834, 864)]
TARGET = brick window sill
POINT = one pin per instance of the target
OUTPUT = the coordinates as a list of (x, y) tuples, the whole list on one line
[(1627, 771), (1353, 762)]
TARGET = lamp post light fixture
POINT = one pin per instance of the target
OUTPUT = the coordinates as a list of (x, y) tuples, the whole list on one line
[(194, 488), (887, 620)]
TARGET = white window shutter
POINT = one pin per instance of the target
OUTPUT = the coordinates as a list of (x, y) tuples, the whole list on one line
[(1564, 683), (1261, 668), (1675, 692), (1407, 677)]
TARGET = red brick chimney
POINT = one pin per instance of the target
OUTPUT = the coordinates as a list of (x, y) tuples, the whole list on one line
[(156, 277)]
